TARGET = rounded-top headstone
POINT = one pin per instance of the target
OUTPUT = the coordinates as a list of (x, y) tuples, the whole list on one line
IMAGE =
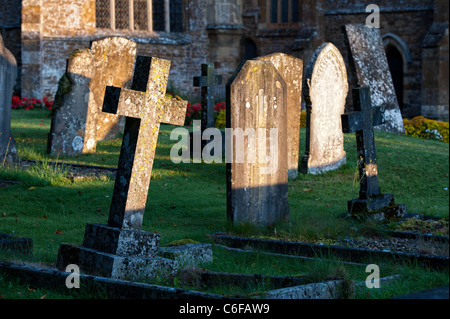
[(325, 92)]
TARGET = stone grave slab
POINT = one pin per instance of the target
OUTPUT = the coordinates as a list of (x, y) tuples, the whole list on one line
[(121, 249), (257, 183), (189, 254), (325, 92), (291, 69), (8, 75), (371, 68), (333, 289)]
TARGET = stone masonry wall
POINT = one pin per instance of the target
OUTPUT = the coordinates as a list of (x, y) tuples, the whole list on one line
[(409, 26), (53, 29), (42, 34)]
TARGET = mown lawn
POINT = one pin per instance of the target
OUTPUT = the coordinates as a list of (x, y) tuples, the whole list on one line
[(189, 201)]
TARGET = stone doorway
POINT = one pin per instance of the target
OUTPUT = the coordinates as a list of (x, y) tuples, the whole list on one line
[(396, 63)]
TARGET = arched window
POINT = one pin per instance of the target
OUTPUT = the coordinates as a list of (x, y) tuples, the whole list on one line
[(140, 15)]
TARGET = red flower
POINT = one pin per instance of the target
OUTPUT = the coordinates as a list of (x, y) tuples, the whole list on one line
[(15, 100), (220, 106), (196, 107)]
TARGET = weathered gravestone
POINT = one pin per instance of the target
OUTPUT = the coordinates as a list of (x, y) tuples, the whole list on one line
[(71, 106), (369, 63), (370, 201), (77, 120), (8, 75), (291, 69), (121, 249), (257, 183), (325, 91)]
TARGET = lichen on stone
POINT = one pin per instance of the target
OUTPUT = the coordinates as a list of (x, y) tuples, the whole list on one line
[(64, 88)]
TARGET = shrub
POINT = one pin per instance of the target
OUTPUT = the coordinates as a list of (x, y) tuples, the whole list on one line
[(303, 119), (221, 120), (194, 112), (427, 129)]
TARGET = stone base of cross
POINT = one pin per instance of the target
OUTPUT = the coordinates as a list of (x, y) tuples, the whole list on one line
[(117, 253), (377, 208), (371, 201)]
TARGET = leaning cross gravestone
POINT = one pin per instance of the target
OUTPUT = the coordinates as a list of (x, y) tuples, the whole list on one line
[(362, 121), (152, 107), (325, 92), (291, 69), (257, 184), (8, 75), (369, 63), (121, 249), (77, 120)]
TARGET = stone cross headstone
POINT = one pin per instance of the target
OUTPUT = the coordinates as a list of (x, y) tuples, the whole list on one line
[(257, 180), (291, 69), (325, 91), (8, 75), (145, 107), (121, 249), (77, 119), (208, 81), (363, 121), (370, 67)]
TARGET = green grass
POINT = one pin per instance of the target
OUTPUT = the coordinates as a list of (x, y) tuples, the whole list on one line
[(189, 201)]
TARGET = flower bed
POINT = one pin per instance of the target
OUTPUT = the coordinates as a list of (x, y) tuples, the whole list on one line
[(425, 128), (194, 112), (31, 104)]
